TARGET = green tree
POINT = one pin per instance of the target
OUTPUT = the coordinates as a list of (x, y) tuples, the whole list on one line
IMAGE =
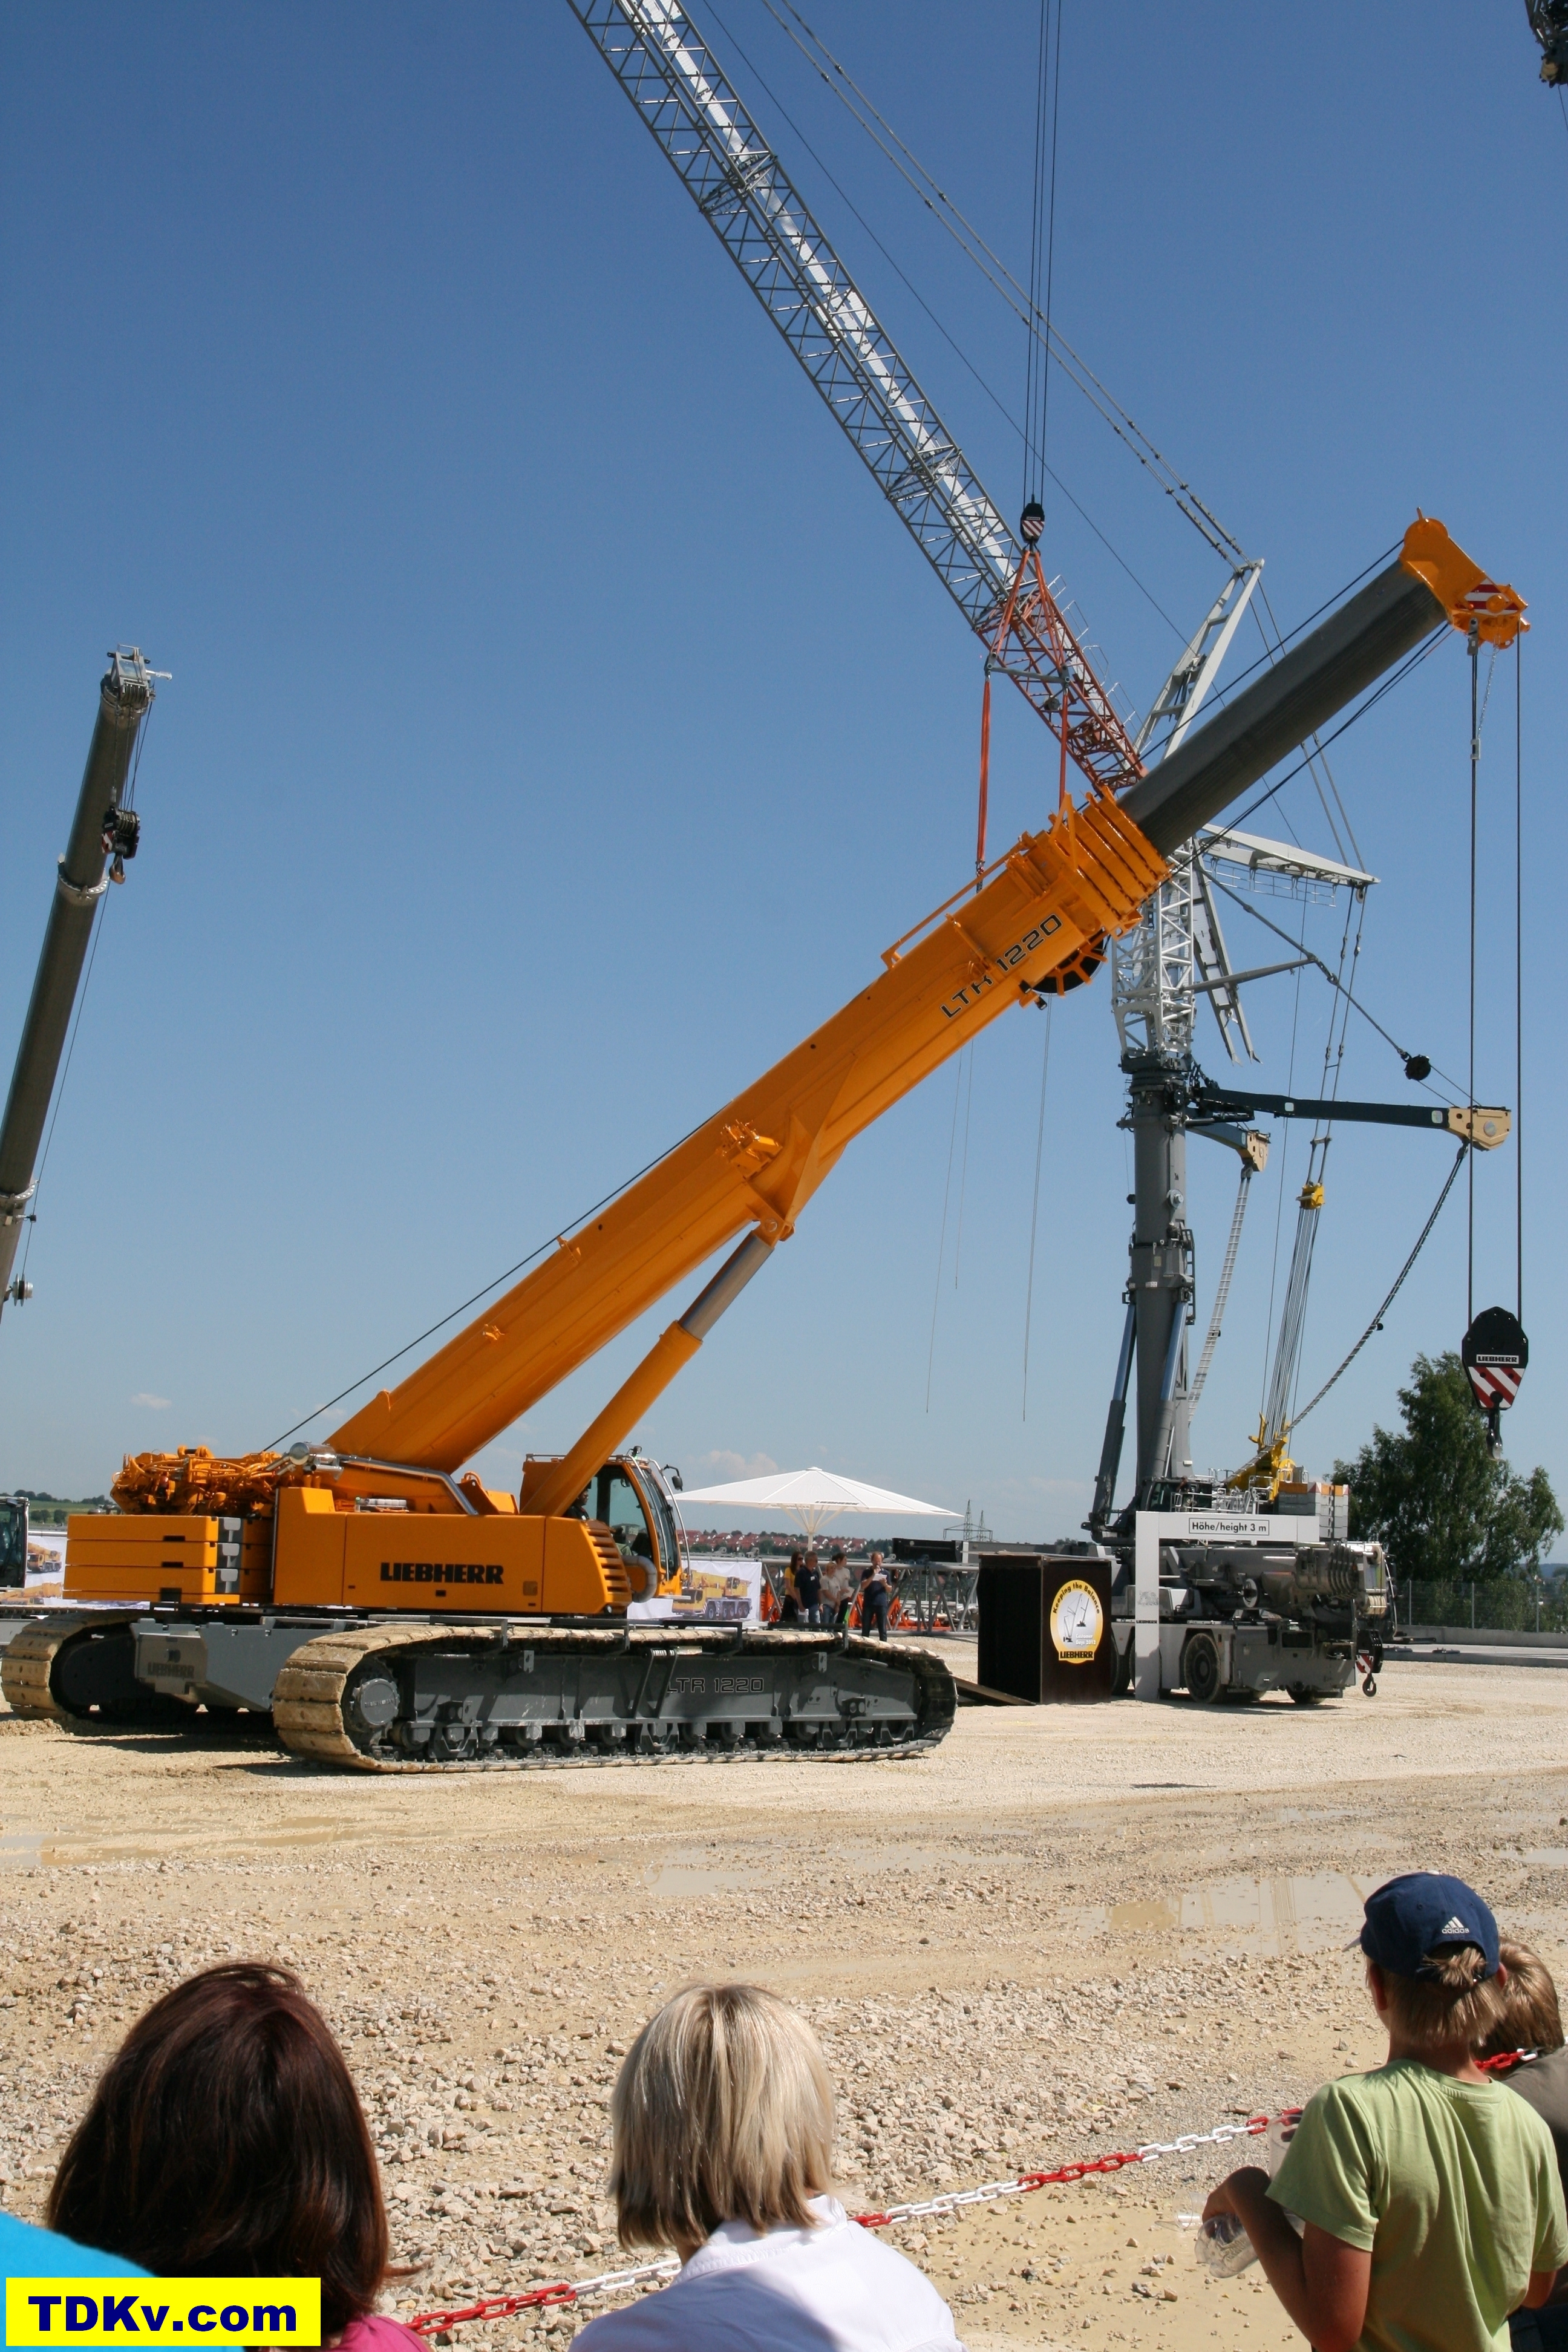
[(1433, 1498)]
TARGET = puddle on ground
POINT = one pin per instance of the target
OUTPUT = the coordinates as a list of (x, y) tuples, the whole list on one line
[(22, 1850), (684, 1877), (1550, 1857), (689, 1875), (1279, 1914)]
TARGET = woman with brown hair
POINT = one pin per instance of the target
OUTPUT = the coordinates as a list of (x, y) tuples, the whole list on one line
[(226, 2138)]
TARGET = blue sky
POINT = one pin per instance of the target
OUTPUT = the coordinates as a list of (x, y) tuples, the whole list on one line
[(560, 723)]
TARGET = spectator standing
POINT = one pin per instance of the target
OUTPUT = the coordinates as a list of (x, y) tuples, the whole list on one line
[(1531, 2023), (835, 1590), (722, 2122), (225, 2139), (789, 1611), (876, 1593), (808, 1582), (1429, 2193)]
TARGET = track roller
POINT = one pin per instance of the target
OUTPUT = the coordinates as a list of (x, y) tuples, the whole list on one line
[(407, 1698)]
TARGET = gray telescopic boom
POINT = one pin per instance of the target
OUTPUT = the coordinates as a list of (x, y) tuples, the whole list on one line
[(102, 829), (1351, 650)]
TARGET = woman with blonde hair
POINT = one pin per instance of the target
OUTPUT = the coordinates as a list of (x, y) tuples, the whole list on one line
[(722, 2120)]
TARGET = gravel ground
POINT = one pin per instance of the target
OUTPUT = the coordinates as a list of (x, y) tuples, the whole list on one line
[(1065, 1931)]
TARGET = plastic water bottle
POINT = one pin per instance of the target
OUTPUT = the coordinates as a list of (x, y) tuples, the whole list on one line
[(1224, 2246)]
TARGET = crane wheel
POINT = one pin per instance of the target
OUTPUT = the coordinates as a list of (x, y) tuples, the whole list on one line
[(518, 1697), (1201, 1669)]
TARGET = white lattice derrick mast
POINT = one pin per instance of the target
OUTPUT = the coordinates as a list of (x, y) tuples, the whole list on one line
[(745, 195)]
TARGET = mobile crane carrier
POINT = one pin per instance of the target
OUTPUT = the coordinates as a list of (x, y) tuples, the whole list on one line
[(395, 1615)]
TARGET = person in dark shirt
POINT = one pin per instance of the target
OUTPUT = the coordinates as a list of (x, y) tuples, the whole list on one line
[(876, 1593), (808, 1581), (1531, 2024)]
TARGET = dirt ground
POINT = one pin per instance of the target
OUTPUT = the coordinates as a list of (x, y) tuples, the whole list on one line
[(1065, 1931)]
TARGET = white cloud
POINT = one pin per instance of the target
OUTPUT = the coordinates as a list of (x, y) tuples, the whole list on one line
[(154, 1403), (725, 1466)]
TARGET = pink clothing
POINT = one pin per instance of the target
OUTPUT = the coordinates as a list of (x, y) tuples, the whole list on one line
[(373, 2334)]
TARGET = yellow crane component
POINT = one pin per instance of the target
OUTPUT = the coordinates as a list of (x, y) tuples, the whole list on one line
[(237, 1565), (758, 1160)]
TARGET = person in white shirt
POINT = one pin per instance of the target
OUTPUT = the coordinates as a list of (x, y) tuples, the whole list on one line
[(722, 2125)]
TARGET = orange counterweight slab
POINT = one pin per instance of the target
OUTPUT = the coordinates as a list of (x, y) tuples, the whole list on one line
[(137, 1556), (760, 1160), (501, 1564)]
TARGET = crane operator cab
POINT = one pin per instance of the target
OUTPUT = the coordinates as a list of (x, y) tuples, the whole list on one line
[(633, 1498), (13, 1542)]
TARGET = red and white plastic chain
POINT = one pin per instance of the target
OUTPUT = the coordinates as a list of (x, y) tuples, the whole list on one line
[(502, 2307)]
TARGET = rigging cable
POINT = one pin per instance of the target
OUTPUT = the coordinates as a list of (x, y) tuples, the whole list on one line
[(1035, 1211), (942, 1238), (999, 276), (1308, 957), (1376, 1323), (957, 348), (1470, 1180), (1519, 967), (483, 1292), (1222, 1294)]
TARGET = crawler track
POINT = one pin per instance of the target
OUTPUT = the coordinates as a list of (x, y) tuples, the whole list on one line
[(61, 1669), (424, 1698)]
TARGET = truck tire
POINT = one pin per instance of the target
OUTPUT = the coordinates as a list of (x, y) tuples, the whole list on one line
[(1201, 1669)]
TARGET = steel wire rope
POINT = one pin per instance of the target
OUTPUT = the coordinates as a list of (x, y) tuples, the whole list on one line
[(1280, 1201), (942, 1237), (1318, 1154), (1306, 953), (1470, 1175), (1395, 677), (1519, 967), (1035, 1211), (1222, 694), (1376, 1323), (483, 1292), (996, 271), (957, 348), (963, 1173)]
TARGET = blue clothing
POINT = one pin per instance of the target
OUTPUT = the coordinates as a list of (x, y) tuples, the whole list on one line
[(27, 2253)]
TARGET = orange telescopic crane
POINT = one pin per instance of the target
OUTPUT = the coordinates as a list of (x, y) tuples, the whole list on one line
[(393, 1612)]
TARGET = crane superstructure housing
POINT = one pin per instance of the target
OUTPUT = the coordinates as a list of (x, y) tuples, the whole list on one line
[(394, 1613)]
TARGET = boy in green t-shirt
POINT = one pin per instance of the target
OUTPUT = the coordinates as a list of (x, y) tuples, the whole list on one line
[(1431, 2195)]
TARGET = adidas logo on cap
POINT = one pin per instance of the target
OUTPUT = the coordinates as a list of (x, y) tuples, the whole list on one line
[(1454, 1928)]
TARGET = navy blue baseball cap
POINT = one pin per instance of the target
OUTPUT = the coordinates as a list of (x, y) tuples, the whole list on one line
[(1421, 1912)]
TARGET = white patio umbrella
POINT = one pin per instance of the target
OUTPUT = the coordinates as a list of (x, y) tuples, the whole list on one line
[(811, 1497)]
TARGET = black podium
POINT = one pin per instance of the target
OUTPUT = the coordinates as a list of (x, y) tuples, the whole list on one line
[(1045, 1628)]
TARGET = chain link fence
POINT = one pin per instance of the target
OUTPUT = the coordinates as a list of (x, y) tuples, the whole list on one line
[(1503, 1605)]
